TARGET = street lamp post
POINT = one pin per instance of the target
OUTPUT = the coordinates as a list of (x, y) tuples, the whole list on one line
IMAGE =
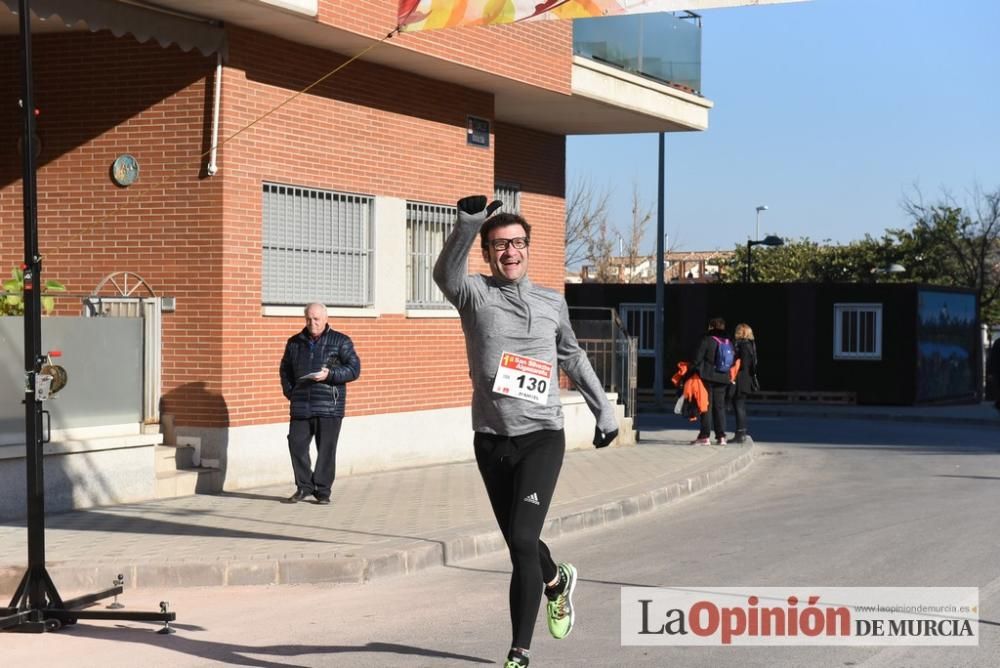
[(756, 231), (658, 317), (769, 240)]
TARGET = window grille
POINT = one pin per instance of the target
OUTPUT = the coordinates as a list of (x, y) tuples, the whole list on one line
[(317, 246), (510, 195), (427, 226), (639, 322), (857, 331)]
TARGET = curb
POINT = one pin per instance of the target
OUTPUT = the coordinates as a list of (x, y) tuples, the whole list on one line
[(876, 417), (405, 558)]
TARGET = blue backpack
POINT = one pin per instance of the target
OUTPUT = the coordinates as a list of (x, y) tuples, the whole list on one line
[(725, 355)]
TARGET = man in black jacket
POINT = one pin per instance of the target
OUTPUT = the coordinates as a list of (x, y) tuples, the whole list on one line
[(317, 364)]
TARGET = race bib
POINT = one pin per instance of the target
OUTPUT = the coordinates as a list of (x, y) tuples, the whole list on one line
[(523, 377)]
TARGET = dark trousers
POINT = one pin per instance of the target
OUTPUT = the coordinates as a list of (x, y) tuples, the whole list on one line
[(326, 431), (715, 416), (520, 474), (740, 408)]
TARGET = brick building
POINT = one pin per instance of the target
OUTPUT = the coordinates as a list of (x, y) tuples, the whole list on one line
[(343, 194)]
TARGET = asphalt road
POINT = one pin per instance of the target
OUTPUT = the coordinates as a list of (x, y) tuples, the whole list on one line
[(828, 503)]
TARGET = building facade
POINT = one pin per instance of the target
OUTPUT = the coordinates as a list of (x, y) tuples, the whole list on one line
[(341, 193)]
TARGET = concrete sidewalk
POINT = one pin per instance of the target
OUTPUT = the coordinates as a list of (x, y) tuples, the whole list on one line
[(380, 524)]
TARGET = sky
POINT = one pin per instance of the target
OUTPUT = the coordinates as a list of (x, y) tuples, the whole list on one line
[(829, 112)]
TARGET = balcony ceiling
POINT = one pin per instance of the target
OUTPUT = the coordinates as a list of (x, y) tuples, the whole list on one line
[(603, 100)]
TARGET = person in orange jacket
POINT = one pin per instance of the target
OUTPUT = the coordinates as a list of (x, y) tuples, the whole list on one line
[(692, 389)]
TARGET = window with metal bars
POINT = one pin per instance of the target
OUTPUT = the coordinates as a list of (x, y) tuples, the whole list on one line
[(317, 246), (857, 331), (427, 226), (510, 195)]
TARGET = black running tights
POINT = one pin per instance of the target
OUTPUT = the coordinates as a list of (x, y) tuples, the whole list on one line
[(520, 474)]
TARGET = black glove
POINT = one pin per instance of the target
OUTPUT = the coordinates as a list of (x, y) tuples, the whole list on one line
[(602, 440), (476, 204)]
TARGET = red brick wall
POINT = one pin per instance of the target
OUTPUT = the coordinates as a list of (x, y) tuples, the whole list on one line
[(100, 97), (368, 129), (536, 161)]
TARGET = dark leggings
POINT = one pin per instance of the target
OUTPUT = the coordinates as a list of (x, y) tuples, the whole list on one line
[(715, 416), (520, 474), (740, 408)]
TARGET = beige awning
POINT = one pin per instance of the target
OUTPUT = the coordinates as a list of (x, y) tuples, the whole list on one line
[(126, 18)]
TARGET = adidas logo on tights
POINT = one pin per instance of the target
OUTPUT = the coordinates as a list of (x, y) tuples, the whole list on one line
[(532, 498)]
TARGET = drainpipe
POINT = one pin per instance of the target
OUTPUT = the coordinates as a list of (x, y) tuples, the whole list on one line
[(213, 167)]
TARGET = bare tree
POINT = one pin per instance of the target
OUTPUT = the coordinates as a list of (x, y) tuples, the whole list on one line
[(641, 215), (591, 240), (587, 223)]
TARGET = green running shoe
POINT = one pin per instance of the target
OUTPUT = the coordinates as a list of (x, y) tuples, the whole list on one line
[(560, 609), (515, 661)]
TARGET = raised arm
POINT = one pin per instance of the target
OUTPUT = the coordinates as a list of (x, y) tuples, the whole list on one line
[(451, 269)]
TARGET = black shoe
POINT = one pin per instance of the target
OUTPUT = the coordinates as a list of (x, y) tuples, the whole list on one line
[(298, 496), (323, 500)]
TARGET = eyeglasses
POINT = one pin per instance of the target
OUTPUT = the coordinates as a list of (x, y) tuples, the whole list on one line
[(520, 243)]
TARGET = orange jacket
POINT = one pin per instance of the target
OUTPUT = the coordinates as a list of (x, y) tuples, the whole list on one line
[(694, 390)]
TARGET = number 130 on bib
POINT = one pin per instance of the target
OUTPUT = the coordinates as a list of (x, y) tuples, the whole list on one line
[(523, 377)]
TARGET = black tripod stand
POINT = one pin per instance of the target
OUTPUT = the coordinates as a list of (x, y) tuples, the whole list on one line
[(37, 606)]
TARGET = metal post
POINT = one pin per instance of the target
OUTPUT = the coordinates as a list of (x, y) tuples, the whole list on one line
[(36, 605), (658, 331), (32, 322), (749, 259)]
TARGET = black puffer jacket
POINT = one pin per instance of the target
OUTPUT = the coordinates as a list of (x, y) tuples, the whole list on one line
[(332, 350)]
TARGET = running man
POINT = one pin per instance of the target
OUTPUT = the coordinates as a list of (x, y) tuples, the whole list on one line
[(517, 337)]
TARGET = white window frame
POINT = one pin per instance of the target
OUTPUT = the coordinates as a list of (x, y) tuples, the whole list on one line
[(851, 348)]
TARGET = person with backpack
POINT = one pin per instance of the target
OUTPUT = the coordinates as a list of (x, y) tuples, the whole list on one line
[(713, 362), (746, 378)]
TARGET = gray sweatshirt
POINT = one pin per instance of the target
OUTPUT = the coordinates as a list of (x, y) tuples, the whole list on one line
[(515, 317)]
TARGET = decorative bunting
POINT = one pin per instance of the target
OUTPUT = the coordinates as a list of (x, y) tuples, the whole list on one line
[(417, 15)]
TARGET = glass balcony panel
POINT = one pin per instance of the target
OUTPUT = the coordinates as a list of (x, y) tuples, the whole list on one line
[(661, 46)]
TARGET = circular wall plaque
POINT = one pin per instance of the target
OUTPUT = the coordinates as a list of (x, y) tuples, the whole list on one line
[(125, 170)]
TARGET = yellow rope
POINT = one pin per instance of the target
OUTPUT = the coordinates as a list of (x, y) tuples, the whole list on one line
[(301, 92)]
